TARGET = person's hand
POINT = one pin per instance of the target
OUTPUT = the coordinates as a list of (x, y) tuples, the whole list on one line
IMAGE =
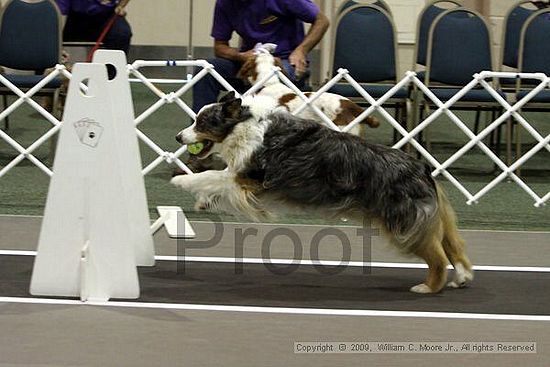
[(65, 56), (298, 60), (245, 55)]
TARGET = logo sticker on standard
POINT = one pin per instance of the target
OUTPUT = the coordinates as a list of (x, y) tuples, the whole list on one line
[(88, 131)]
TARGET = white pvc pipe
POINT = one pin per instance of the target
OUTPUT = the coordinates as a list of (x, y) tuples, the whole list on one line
[(543, 200), (160, 81), (148, 63)]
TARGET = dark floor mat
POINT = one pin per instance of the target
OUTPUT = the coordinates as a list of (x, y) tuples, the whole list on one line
[(380, 289)]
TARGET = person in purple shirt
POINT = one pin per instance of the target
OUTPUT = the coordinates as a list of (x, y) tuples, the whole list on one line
[(86, 20), (260, 21)]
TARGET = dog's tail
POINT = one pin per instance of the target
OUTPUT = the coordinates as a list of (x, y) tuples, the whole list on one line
[(355, 110)]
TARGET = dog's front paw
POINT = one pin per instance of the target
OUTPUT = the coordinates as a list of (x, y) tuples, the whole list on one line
[(202, 204), (209, 203), (182, 181)]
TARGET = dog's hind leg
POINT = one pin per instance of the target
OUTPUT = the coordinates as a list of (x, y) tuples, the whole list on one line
[(431, 251), (453, 244)]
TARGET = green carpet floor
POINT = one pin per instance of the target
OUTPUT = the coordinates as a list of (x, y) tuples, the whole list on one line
[(23, 190)]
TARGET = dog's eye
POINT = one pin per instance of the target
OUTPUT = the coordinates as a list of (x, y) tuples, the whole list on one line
[(203, 121), (215, 123), (200, 124)]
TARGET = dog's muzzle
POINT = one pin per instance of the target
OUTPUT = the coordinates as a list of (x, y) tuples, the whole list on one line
[(187, 136)]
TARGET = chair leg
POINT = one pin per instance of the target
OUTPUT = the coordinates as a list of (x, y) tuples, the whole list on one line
[(420, 118), (421, 134), (54, 111), (414, 116), (401, 118), (408, 116), (509, 133), (498, 132), (494, 136), (411, 114), (427, 138), (6, 119), (476, 125), (518, 147), (397, 116), (491, 137)]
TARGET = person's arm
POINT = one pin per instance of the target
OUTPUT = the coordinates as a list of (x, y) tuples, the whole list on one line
[(298, 58), (222, 30), (64, 6), (223, 50)]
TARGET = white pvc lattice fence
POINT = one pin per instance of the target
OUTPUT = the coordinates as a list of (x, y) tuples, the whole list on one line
[(26, 153), (440, 168)]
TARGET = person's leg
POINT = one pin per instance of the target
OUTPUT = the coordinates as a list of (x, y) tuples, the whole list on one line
[(88, 28), (207, 89), (119, 36), (81, 28)]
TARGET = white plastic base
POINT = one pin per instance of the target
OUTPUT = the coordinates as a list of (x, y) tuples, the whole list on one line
[(174, 220)]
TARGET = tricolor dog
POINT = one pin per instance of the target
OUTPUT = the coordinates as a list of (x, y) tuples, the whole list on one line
[(340, 110), (276, 162)]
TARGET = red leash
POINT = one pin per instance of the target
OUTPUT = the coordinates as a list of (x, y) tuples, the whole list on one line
[(106, 30)]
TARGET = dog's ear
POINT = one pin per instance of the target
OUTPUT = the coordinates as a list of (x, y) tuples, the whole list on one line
[(232, 108), (229, 96), (248, 69)]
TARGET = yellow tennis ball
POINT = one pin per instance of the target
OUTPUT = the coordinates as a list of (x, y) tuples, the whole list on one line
[(195, 148)]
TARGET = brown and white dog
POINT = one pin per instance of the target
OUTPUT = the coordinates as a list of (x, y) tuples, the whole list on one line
[(278, 163), (337, 108)]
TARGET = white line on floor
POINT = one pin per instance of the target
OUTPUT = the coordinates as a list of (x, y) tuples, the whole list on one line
[(373, 264), (279, 310), (17, 252), (310, 225)]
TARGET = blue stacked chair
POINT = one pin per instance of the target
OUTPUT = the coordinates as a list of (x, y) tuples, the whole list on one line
[(30, 40), (364, 43)]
